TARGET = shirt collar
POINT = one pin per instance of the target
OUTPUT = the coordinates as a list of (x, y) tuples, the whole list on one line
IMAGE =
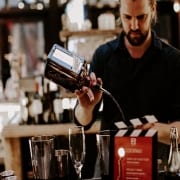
[(156, 42)]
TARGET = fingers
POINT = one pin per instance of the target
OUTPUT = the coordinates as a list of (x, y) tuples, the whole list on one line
[(90, 95), (93, 80), (85, 91), (80, 93), (99, 81), (145, 126), (148, 126)]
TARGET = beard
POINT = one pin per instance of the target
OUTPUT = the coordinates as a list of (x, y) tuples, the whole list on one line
[(136, 38)]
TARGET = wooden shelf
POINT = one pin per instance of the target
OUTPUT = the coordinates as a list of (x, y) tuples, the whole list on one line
[(64, 35), (22, 14)]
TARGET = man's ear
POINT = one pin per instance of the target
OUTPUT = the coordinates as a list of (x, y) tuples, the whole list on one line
[(154, 14)]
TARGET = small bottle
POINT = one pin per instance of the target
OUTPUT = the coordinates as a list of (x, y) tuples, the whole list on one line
[(57, 106), (50, 114), (37, 106), (30, 117), (174, 155)]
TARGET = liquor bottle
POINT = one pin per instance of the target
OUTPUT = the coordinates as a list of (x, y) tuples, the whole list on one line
[(71, 75), (37, 106), (174, 155), (24, 108), (57, 106), (66, 110), (30, 117), (50, 114)]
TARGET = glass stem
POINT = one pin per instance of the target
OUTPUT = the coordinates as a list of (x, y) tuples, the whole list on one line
[(78, 171), (79, 176)]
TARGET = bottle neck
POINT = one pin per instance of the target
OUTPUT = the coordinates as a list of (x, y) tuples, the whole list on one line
[(174, 156), (174, 144), (174, 138)]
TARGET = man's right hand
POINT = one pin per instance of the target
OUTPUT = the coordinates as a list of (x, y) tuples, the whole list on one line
[(88, 97)]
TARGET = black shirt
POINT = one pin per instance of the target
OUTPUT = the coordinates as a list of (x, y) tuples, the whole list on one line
[(146, 86)]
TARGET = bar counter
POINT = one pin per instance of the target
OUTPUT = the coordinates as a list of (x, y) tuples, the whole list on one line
[(12, 135)]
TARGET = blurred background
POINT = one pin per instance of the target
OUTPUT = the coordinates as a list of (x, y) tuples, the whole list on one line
[(29, 28)]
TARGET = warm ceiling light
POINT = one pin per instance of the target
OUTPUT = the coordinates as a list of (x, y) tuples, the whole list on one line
[(21, 5), (176, 6)]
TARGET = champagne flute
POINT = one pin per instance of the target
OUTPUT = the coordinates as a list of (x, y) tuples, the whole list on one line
[(77, 148)]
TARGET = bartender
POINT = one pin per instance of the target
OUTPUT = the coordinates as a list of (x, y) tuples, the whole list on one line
[(139, 69)]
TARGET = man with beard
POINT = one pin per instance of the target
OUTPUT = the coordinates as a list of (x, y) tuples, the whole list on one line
[(141, 72)]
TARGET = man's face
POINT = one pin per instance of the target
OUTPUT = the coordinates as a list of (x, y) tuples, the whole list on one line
[(136, 17)]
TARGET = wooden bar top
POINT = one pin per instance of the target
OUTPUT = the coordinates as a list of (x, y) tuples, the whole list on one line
[(18, 131), (12, 134)]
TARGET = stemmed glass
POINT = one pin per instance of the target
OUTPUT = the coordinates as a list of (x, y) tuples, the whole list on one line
[(77, 148)]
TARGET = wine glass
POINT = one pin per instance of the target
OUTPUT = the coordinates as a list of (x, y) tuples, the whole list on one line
[(77, 148)]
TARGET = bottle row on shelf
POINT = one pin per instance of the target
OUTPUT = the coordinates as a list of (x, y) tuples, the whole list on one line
[(46, 106)]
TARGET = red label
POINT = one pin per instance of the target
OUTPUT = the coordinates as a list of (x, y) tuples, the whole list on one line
[(136, 163)]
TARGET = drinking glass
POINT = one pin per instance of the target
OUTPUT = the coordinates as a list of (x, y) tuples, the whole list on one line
[(77, 148), (42, 155), (103, 142), (62, 162), (105, 153)]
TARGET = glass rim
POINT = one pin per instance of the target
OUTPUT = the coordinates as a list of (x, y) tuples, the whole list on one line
[(61, 152), (106, 132), (79, 126), (76, 127), (42, 138)]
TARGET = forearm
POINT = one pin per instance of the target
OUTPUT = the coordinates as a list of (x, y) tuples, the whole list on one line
[(83, 115), (164, 129)]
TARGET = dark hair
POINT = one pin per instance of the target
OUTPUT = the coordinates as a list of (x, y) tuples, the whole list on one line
[(153, 4)]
